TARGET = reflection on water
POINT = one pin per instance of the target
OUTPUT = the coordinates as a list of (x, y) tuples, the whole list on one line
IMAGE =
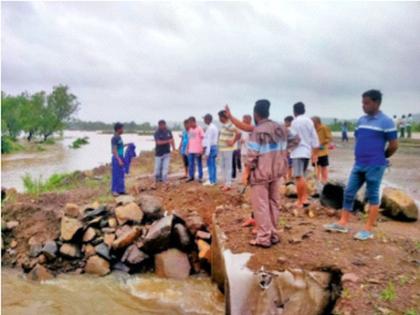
[(60, 158), (114, 294)]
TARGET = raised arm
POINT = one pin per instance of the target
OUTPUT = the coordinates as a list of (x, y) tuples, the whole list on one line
[(238, 124)]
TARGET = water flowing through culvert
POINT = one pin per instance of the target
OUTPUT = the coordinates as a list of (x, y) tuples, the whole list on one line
[(115, 294)]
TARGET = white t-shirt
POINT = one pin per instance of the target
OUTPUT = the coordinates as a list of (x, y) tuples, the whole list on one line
[(304, 127), (210, 137)]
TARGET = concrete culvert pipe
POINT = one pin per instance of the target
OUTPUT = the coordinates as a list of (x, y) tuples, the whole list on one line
[(332, 195)]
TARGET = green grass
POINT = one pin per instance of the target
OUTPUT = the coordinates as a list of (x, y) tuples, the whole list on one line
[(388, 294), (410, 312), (55, 182)]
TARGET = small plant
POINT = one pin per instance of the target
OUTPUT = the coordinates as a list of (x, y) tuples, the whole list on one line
[(79, 142), (410, 312), (388, 294), (55, 182)]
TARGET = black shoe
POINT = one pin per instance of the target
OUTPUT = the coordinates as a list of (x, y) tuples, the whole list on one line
[(189, 180)]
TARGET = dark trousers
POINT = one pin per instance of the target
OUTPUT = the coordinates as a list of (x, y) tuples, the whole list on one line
[(236, 162)]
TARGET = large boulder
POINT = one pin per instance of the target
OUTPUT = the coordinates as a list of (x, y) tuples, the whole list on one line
[(172, 264), (151, 206), (127, 238), (70, 228), (158, 238), (40, 273), (398, 205), (97, 266), (129, 212)]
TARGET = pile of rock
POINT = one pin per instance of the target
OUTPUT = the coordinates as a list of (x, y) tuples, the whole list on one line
[(136, 235)]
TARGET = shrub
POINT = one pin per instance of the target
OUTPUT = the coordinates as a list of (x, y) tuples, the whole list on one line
[(79, 142)]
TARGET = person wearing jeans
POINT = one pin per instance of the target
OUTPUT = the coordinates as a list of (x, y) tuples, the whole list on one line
[(210, 149), (195, 149), (164, 141), (162, 167), (227, 139), (373, 132)]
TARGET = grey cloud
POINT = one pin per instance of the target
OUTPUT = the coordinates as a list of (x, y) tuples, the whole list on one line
[(145, 60)]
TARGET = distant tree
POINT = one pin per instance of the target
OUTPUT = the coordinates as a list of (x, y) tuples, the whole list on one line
[(31, 114), (61, 105), (10, 113)]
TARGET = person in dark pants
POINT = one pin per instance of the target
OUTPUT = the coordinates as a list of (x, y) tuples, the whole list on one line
[(236, 161), (118, 171), (344, 131)]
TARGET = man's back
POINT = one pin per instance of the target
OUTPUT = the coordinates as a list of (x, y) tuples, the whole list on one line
[(304, 128)]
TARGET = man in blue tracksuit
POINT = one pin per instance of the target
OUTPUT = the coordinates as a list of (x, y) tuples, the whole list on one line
[(373, 132)]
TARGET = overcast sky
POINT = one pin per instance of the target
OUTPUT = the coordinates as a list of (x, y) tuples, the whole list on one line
[(144, 61)]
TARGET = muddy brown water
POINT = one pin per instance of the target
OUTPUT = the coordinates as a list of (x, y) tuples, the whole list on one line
[(113, 294)]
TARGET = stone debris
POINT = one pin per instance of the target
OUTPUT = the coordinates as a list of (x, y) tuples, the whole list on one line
[(103, 251), (129, 212), (151, 206), (69, 228), (97, 239), (70, 250), (89, 235), (172, 264), (72, 210), (124, 199), (97, 266), (40, 273), (50, 250), (127, 238)]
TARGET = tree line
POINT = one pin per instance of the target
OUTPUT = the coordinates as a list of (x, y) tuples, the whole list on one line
[(129, 127), (39, 114)]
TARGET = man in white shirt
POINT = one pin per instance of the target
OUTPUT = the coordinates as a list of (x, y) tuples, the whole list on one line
[(304, 127), (211, 137)]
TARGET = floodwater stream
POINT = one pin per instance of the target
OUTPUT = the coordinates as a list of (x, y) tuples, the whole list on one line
[(114, 294)]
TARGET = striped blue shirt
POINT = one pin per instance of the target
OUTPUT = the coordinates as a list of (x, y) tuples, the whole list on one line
[(372, 133)]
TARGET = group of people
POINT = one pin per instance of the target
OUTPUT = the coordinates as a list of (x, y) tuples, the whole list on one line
[(404, 125), (272, 152)]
